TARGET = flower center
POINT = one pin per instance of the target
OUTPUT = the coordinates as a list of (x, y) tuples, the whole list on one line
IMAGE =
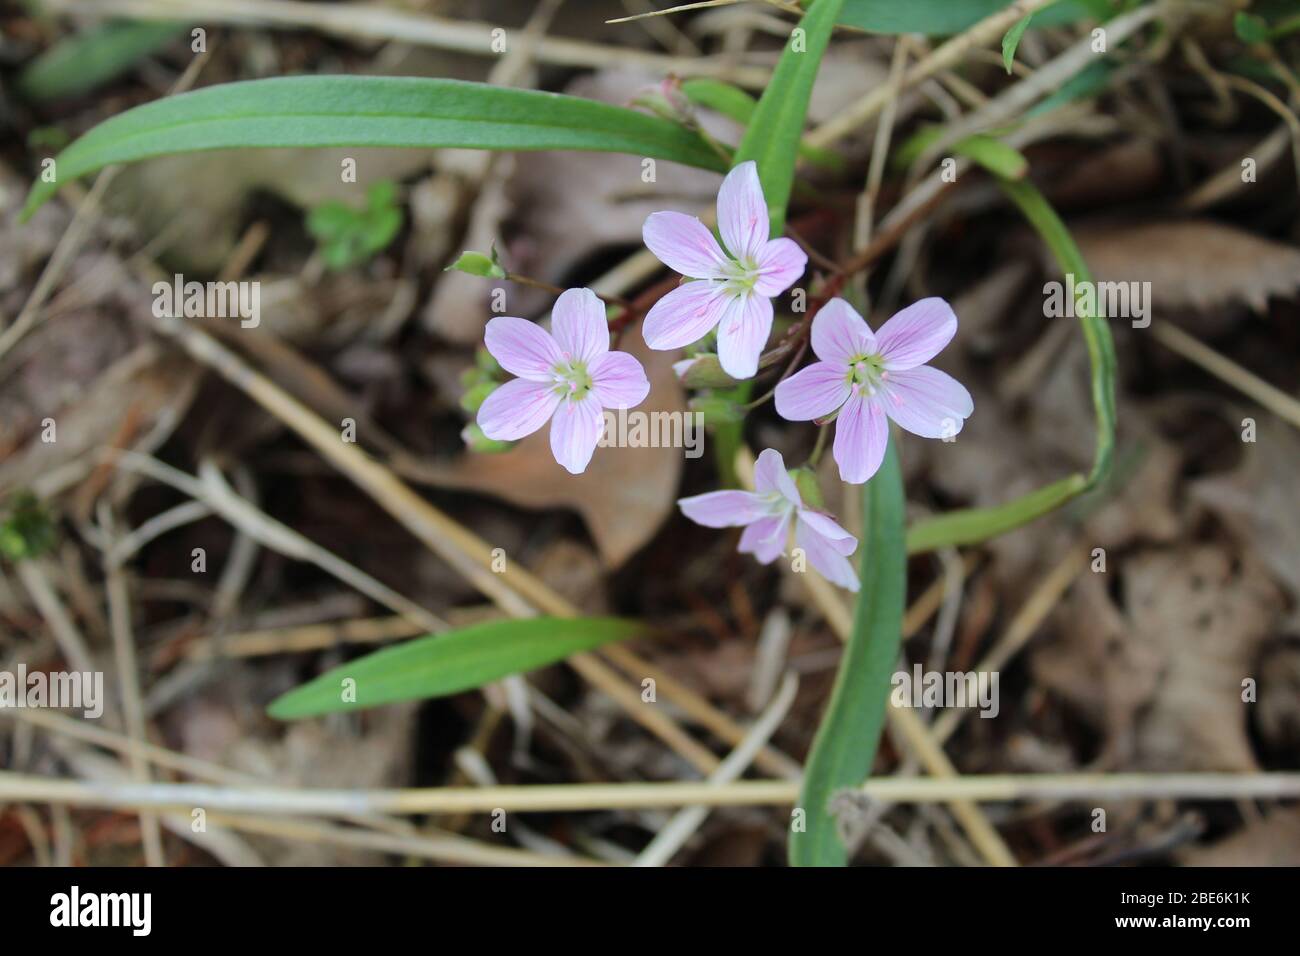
[(866, 373), (777, 503), (571, 378), (740, 276)]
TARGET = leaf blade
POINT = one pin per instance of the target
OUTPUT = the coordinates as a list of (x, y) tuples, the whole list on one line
[(845, 746), (972, 525), (443, 664), (1096, 333), (942, 17), (773, 135), (1012, 40), (83, 61), (408, 112)]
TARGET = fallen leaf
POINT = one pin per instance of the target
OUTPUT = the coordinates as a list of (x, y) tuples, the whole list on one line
[(1257, 501), (1196, 264), (1163, 679), (145, 383), (1272, 841)]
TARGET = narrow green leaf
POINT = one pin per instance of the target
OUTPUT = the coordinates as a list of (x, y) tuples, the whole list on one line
[(738, 106), (979, 524), (972, 525), (1096, 333), (772, 137), (443, 664), (309, 111), (991, 153), (943, 17), (931, 17), (1012, 40), (1285, 27), (731, 101), (82, 62), (1092, 79), (994, 155), (845, 745)]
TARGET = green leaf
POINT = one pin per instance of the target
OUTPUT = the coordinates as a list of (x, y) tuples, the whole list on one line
[(731, 101), (717, 410), (942, 17), (772, 137), (350, 236), (27, 528), (1250, 27), (845, 745), (477, 264), (705, 371), (443, 664), (978, 524), (306, 111), (738, 106), (381, 195), (84, 61), (1096, 333), (478, 442), (932, 17), (993, 154), (474, 397), (1092, 79), (1285, 28), (379, 228), (972, 525), (1012, 40)]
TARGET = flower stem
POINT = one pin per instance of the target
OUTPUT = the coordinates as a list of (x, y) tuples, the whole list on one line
[(816, 455)]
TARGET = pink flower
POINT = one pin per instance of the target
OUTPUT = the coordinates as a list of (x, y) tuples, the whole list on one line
[(766, 515), (735, 290), (567, 376), (866, 377)]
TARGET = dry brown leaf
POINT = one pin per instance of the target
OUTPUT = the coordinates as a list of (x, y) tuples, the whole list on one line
[(1196, 264), (1277, 719), (1165, 679), (24, 247), (144, 394), (1257, 500), (1097, 667), (1272, 841), (572, 571), (1141, 507)]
